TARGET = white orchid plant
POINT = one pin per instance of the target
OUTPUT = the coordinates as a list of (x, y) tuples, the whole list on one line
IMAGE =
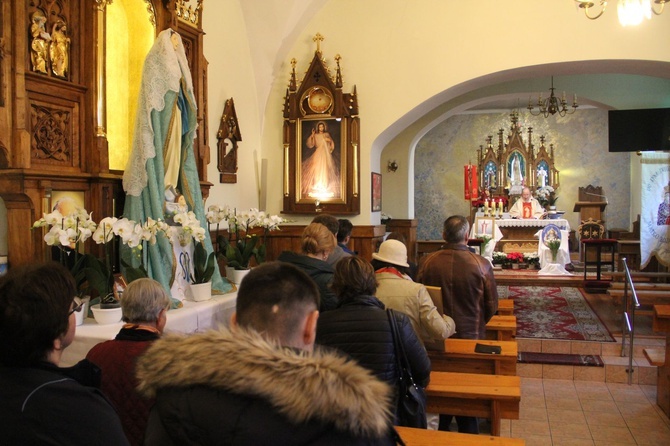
[(236, 249), (546, 195), (190, 230), (69, 232)]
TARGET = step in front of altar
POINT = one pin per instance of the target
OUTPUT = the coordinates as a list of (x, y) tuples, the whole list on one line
[(615, 367)]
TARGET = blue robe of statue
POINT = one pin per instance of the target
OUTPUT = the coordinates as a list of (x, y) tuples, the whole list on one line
[(166, 91)]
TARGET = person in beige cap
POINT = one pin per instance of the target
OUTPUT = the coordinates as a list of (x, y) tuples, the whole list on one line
[(397, 291)]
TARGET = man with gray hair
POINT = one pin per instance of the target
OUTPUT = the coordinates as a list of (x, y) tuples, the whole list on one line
[(144, 306), (469, 293)]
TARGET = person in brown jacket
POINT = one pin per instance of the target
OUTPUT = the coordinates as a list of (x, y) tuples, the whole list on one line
[(469, 293)]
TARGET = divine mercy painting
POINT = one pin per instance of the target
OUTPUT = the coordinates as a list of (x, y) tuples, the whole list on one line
[(320, 176)]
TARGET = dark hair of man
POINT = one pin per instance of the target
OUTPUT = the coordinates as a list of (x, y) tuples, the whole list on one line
[(328, 221), (274, 298), (397, 236), (35, 302), (354, 277), (378, 264), (344, 231), (455, 228)]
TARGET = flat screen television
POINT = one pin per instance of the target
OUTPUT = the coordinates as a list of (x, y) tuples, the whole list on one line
[(639, 130)]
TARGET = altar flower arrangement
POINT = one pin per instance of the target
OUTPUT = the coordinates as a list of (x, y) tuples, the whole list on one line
[(499, 258), (237, 249), (546, 195), (554, 245), (514, 257), (532, 259), (485, 238)]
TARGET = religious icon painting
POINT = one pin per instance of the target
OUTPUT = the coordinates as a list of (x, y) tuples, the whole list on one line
[(485, 226), (376, 192)]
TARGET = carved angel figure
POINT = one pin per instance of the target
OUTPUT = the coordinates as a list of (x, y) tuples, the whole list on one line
[(40, 43), (60, 49)]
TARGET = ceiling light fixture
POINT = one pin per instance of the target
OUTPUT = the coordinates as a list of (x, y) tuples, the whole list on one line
[(552, 104), (630, 12)]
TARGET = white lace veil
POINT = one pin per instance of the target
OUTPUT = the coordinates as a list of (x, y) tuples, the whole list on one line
[(163, 69)]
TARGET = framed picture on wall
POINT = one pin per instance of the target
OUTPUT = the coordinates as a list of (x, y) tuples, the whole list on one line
[(376, 192)]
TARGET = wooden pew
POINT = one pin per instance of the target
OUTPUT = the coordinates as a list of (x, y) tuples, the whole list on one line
[(425, 437), (506, 307), (458, 355), (648, 293), (471, 395), (502, 328), (661, 324)]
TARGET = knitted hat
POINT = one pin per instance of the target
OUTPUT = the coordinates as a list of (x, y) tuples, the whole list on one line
[(392, 251)]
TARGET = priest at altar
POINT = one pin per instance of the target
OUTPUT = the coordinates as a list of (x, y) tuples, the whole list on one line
[(527, 206)]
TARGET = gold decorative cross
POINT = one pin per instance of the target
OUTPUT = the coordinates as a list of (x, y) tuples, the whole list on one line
[(318, 39)]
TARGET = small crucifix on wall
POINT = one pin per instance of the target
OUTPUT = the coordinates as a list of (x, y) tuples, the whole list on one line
[(228, 136)]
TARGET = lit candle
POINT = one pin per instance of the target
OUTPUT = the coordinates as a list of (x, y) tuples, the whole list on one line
[(500, 205)]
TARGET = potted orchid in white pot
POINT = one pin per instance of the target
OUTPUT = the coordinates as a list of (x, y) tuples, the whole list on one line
[(241, 246), (200, 279)]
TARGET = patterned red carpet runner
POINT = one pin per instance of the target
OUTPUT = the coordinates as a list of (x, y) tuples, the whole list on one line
[(554, 313)]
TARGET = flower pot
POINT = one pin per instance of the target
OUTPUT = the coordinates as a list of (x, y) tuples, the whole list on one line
[(106, 316), (201, 291), (81, 314), (238, 275), (515, 266), (229, 273)]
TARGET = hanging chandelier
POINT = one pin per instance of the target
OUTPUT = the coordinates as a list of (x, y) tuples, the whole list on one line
[(552, 104), (630, 12)]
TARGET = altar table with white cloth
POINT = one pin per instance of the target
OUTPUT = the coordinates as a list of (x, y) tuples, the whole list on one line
[(191, 318), (532, 223)]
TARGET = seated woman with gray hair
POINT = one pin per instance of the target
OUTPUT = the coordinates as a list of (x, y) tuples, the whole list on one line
[(144, 305)]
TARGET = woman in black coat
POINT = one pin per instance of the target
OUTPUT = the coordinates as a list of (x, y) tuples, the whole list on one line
[(359, 326)]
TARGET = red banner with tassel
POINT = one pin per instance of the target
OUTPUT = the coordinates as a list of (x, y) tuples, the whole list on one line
[(471, 184)]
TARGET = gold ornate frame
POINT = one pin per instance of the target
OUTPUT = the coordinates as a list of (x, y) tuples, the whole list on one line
[(320, 100)]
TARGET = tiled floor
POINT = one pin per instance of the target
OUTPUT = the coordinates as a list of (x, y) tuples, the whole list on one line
[(556, 412)]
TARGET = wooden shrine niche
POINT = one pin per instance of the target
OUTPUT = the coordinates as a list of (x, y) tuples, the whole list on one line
[(506, 169), (321, 142), (228, 136)]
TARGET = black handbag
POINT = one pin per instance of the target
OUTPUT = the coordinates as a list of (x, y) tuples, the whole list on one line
[(411, 403)]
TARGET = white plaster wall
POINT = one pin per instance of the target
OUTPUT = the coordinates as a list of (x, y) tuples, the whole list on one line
[(405, 57), (231, 74)]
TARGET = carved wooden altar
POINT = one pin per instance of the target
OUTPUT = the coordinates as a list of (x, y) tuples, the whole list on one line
[(505, 169), (52, 107)]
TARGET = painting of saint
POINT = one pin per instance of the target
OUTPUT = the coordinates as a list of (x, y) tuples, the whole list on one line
[(320, 174)]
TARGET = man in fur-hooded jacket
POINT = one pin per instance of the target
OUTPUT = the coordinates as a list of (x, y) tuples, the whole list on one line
[(262, 383)]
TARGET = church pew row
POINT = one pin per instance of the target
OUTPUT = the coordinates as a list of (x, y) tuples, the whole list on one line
[(501, 328), (468, 394), (458, 355), (647, 297), (425, 437), (506, 307)]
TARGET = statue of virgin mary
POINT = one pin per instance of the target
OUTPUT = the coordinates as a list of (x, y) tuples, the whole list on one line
[(162, 158)]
